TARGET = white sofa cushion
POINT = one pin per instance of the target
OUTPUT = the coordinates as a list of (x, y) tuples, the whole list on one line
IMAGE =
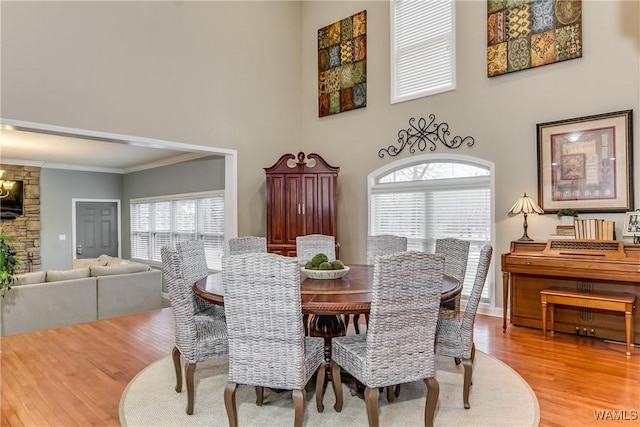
[(129, 293), (58, 275), (30, 278), (132, 267), (48, 305)]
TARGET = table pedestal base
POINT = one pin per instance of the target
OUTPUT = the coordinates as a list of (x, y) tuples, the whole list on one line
[(327, 327)]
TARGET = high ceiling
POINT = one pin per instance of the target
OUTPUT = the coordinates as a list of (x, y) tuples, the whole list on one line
[(81, 153)]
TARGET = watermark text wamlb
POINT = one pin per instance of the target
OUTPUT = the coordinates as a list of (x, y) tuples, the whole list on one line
[(615, 414)]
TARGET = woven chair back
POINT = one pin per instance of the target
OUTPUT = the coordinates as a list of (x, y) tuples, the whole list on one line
[(312, 244), (456, 255), (193, 260), (264, 320), (384, 245), (404, 312), (469, 317), (180, 295), (247, 245)]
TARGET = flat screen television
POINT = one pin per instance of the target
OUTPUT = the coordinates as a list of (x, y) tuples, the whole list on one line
[(12, 205)]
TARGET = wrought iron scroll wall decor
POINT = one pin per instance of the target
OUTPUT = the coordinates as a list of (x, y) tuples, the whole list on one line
[(418, 137)]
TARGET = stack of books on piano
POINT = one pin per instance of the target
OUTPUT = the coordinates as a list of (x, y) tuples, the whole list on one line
[(565, 230), (594, 229)]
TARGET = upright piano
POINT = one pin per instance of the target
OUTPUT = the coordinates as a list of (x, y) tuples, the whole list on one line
[(597, 266)]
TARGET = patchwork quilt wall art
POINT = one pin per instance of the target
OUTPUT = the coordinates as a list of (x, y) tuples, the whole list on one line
[(524, 34), (342, 65)]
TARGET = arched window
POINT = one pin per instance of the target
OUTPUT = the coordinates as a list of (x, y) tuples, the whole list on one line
[(431, 197)]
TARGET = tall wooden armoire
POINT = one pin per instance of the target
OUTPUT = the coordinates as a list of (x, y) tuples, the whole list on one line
[(301, 199)]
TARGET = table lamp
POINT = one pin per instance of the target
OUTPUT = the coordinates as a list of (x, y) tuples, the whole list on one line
[(524, 205)]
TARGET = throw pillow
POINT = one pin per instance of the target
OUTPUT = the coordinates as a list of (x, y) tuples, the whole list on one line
[(116, 261), (132, 267), (105, 258), (30, 278), (57, 275), (87, 262)]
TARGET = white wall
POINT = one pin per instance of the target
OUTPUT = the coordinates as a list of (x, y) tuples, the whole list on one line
[(218, 74), (500, 113)]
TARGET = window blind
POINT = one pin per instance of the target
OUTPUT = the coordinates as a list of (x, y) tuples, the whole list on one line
[(422, 48), (439, 205), (157, 222)]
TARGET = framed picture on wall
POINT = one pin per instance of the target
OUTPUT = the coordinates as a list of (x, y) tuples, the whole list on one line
[(586, 163), (342, 65)]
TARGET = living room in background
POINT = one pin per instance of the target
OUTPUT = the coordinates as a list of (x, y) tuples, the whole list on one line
[(165, 220), (435, 196)]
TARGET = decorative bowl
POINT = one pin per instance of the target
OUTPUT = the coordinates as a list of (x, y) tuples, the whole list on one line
[(325, 274)]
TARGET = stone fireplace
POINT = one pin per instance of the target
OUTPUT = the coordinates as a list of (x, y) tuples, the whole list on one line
[(26, 228)]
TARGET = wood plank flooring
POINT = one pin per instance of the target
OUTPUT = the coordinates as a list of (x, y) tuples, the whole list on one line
[(75, 375)]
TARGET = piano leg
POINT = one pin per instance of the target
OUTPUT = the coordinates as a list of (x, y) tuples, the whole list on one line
[(505, 299), (544, 318)]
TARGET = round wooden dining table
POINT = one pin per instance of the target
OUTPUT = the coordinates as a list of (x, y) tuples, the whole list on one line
[(326, 300)]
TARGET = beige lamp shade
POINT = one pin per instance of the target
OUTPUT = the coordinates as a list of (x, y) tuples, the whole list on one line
[(524, 205)]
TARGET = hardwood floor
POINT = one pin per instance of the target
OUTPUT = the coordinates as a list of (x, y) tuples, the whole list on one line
[(75, 375)]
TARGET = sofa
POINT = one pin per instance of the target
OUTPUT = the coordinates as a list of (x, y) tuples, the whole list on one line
[(94, 289)]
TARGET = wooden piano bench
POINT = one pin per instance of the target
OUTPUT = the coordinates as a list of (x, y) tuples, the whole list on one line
[(621, 302)]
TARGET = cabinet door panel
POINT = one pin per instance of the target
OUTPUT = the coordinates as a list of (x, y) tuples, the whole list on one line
[(309, 217), (293, 208), (276, 215), (325, 207)]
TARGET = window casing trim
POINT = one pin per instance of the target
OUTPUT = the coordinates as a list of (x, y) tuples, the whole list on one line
[(373, 187), (426, 158), (181, 196)]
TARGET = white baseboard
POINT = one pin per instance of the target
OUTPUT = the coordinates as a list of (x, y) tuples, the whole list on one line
[(485, 309)]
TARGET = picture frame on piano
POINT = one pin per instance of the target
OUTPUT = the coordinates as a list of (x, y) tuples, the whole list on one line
[(632, 226), (586, 163)]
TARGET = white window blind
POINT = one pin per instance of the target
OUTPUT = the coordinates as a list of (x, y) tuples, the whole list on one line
[(429, 201), (157, 222), (422, 48)]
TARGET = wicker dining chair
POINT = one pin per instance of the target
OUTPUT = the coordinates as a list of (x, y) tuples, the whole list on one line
[(384, 244), (399, 344), (454, 337), (456, 255), (312, 244), (197, 338), (193, 262), (247, 245), (267, 344)]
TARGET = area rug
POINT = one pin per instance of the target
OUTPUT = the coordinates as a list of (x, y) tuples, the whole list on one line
[(499, 397)]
